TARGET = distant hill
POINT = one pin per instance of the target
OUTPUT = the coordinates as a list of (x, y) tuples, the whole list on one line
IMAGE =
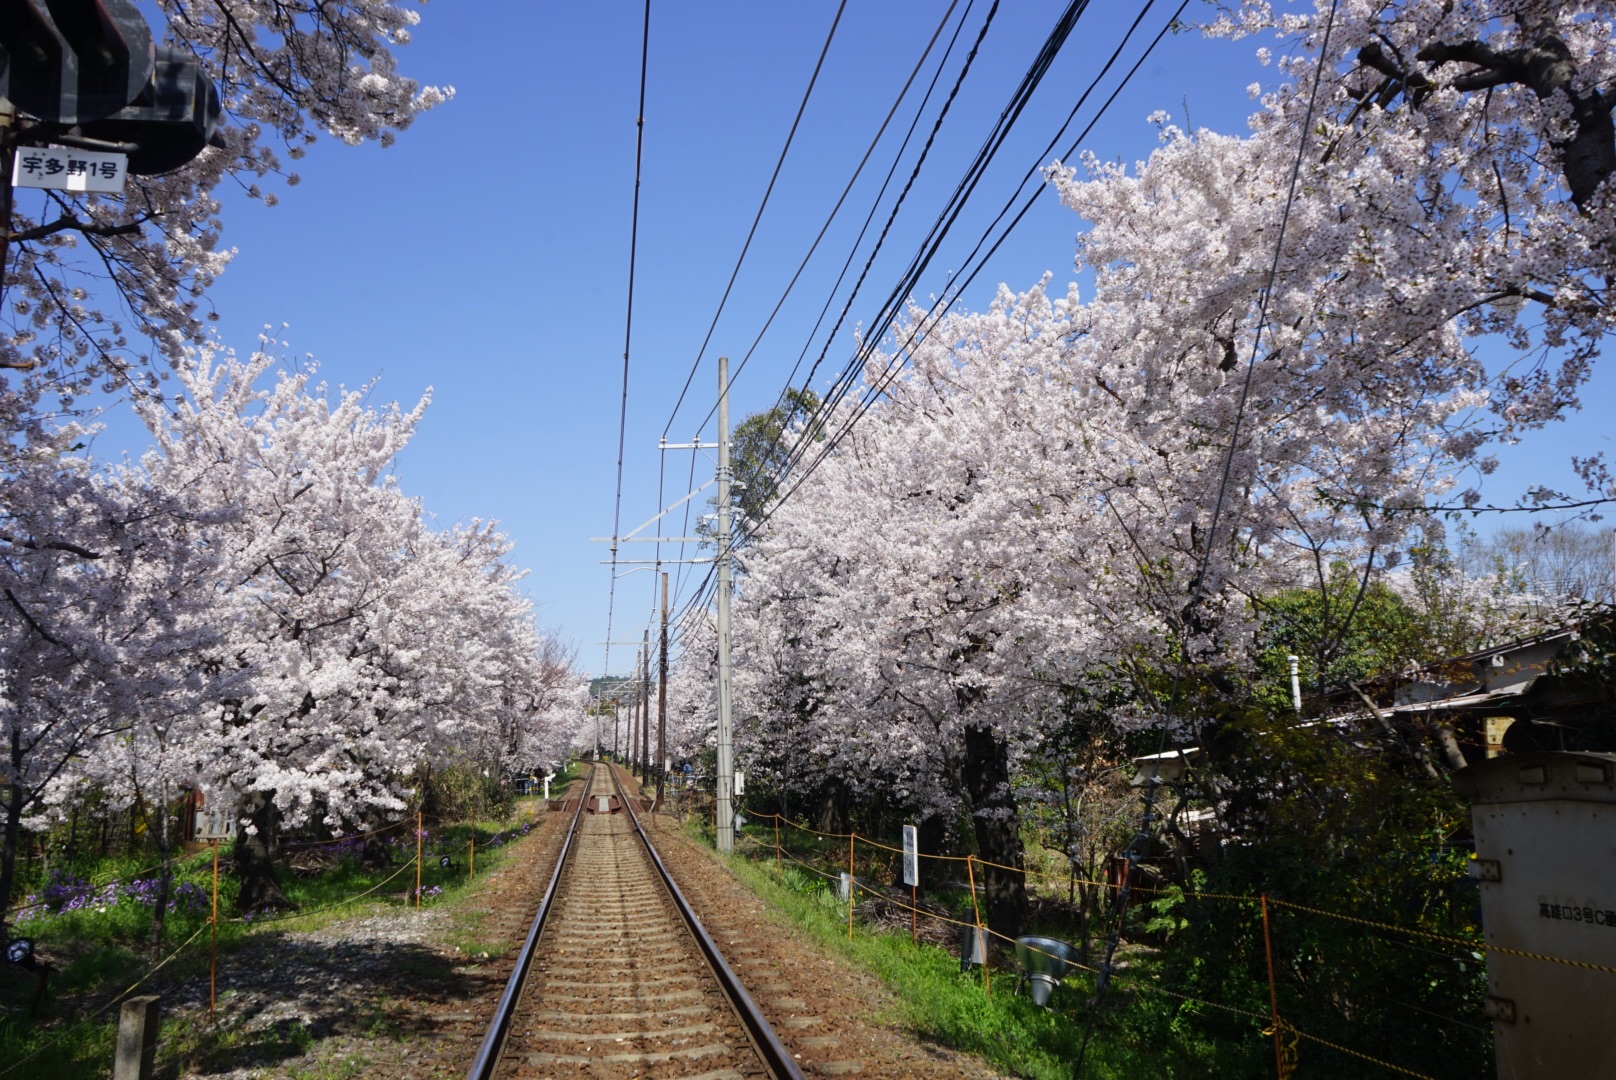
[(607, 683)]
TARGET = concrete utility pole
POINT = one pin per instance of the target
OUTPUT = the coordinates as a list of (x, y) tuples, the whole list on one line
[(645, 710), (634, 712), (617, 719), (726, 752), (662, 703)]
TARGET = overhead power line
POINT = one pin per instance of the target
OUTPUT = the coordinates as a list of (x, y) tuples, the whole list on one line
[(628, 330), (995, 139), (758, 217), (940, 228), (897, 101), (835, 210), (946, 218), (876, 391)]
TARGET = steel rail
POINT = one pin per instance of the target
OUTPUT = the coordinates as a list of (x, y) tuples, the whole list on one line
[(769, 1047), (483, 1065)]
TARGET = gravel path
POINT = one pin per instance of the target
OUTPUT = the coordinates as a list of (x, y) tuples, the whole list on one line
[(393, 994), (397, 993)]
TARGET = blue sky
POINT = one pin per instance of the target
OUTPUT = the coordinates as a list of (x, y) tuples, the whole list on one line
[(486, 254)]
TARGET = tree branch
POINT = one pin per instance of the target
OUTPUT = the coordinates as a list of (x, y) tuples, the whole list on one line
[(68, 222), (52, 545)]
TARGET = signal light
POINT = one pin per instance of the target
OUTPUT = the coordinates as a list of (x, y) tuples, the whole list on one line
[(73, 61), (174, 117)]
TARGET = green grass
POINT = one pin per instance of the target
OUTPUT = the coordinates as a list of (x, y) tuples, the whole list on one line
[(1134, 1036), (99, 953)]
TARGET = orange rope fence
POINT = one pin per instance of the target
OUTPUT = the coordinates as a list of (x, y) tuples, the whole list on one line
[(1285, 1034), (1468, 944)]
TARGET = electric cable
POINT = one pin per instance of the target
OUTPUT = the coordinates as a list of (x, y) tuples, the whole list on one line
[(1198, 582), (891, 171), (1034, 75), (628, 331), (778, 165), (985, 154), (987, 23), (967, 184), (844, 384), (900, 289), (835, 210)]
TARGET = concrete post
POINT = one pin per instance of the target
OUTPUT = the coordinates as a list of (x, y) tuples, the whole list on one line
[(137, 1039), (725, 823)]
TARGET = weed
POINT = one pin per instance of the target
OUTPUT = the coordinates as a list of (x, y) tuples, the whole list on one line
[(1134, 1038), (95, 932)]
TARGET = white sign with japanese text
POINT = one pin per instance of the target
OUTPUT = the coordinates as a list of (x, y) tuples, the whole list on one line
[(911, 855), (215, 818), (68, 170), (215, 824)]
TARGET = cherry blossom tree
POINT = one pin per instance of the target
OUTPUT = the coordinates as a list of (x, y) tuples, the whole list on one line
[(101, 287), (1454, 188), (99, 628), (363, 642), (1065, 494)]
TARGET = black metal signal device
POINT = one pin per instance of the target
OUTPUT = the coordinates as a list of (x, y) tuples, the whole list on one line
[(88, 70)]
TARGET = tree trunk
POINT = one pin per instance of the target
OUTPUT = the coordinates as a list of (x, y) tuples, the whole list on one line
[(164, 875), (998, 836), (8, 847), (931, 834), (376, 853), (255, 861), (833, 808)]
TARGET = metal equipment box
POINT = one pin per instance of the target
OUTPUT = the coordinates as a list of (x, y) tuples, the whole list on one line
[(1545, 827)]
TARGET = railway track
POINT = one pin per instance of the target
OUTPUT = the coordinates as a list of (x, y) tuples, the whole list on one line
[(617, 978)]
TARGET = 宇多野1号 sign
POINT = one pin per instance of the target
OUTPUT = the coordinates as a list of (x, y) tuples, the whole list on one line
[(62, 169)]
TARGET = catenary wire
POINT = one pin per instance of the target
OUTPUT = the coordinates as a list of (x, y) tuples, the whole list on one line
[(994, 140), (847, 263), (835, 210), (628, 331), (845, 382), (1019, 100), (937, 124), (763, 205)]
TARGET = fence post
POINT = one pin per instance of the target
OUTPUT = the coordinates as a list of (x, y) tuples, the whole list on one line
[(137, 1039), (418, 859), (976, 916), (471, 863), (1273, 996), (777, 871), (213, 943), (852, 885)]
